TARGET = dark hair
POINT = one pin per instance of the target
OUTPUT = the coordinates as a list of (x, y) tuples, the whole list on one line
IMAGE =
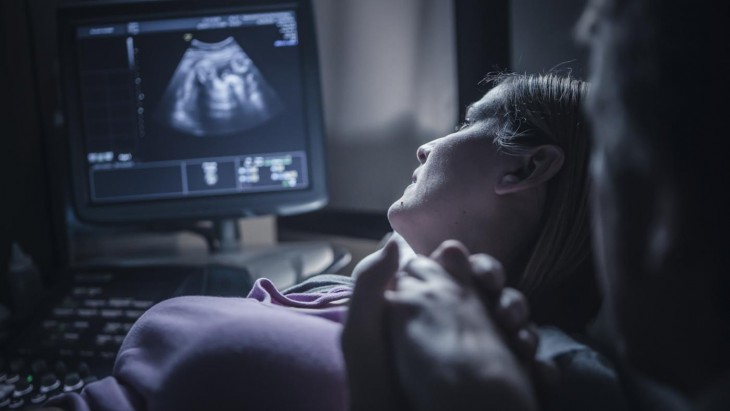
[(558, 277)]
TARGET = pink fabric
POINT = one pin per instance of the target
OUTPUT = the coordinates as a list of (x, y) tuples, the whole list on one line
[(329, 304)]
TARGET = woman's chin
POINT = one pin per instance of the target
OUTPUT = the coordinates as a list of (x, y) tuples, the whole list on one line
[(397, 215), (394, 210), (401, 219)]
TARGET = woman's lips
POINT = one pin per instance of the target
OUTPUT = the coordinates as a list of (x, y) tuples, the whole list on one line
[(414, 178)]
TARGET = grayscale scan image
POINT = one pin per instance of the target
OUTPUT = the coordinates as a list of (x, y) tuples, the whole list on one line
[(217, 90)]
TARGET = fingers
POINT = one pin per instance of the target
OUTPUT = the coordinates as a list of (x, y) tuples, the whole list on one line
[(419, 278), (454, 258), (380, 270), (512, 311), (423, 268), (509, 307), (367, 302), (481, 269), (488, 275), (449, 293), (371, 380), (525, 341)]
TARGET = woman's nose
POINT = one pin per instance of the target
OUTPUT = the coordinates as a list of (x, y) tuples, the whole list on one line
[(423, 152)]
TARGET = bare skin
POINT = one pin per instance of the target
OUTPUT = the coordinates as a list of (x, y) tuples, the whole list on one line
[(417, 329), (466, 189), (435, 309)]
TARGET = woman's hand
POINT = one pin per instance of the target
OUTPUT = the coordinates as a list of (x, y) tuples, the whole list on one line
[(460, 339)]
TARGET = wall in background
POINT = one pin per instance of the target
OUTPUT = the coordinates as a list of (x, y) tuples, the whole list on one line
[(542, 36), (389, 85), (390, 73)]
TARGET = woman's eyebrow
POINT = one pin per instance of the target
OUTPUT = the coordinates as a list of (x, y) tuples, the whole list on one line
[(468, 111), (474, 112)]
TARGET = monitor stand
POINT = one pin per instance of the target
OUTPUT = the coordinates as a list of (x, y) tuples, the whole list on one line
[(227, 236), (284, 263)]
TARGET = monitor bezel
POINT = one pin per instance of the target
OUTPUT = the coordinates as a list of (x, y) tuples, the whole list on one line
[(289, 202)]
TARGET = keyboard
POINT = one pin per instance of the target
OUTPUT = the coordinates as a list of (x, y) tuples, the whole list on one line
[(75, 338)]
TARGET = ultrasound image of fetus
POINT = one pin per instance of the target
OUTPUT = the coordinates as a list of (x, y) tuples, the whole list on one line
[(217, 90)]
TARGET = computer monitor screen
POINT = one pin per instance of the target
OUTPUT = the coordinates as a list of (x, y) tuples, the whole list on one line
[(192, 110)]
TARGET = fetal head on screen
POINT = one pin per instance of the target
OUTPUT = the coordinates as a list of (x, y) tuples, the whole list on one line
[(217, 90)]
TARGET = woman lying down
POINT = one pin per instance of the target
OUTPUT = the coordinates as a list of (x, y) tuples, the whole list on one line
[(496, 212)]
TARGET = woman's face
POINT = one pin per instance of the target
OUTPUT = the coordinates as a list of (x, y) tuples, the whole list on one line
[(452, 195)]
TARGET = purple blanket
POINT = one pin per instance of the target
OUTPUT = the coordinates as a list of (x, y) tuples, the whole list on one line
[(267, 352), (279, 352)]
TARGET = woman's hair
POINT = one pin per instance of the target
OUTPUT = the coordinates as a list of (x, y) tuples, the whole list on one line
[(558, 277)]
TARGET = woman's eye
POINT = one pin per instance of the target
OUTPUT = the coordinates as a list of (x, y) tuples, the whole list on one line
[(466, 123)]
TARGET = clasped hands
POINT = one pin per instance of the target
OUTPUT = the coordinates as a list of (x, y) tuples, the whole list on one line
[(440, 333)]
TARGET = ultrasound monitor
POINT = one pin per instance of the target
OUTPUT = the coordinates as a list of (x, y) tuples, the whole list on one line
[(177, 111), (192, 110)]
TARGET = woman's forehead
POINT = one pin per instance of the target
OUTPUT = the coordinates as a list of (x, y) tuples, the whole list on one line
[(488, 105)]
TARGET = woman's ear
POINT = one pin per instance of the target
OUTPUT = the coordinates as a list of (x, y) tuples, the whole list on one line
[(539, 166)]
